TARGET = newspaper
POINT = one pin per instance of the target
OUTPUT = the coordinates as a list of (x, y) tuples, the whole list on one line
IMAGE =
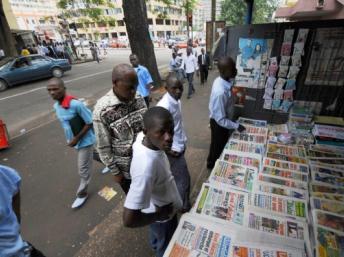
[(326, 179), (241, 158), (337, 163), (281, 190), (286, 165), (252, 138), (298, 151), (282, 181), (221, 204), (314, 154), (331, 221), (256, 130), (328, 242), (326, 165), (288, 174), (199, 237), (284, 206), (240, 146), (278, 128), (328, 149), (327, 205), (328, 196), (287, 158), (329, 171), (316, 187), (233, 175), (326, 131), (252, 122)]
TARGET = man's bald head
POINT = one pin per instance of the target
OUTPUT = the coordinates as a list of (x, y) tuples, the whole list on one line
[(120, 70), (226, 67), (56, 81)]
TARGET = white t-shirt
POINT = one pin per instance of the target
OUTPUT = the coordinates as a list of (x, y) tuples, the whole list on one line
[(152, 182)]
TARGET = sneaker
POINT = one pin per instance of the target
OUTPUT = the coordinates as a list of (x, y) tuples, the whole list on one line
[(105, 170), (79, 201)]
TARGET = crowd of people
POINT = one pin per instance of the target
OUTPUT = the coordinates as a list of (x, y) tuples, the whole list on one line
[(142, 146)]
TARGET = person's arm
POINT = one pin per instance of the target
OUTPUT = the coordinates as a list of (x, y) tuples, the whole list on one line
[(220, 116), (16, 205), (136, 218), (148, 80)]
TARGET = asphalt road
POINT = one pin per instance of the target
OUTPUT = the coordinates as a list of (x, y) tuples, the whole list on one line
[(22, 106)]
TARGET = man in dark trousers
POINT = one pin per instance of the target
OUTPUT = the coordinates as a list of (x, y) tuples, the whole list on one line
[(221, 108), (203, 64)]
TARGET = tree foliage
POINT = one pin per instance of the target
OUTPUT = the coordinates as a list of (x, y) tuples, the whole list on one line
[(234, 11)]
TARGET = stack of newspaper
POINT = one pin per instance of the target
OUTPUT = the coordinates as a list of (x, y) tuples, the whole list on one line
[(251, 205), (327, 199), (329, 135)]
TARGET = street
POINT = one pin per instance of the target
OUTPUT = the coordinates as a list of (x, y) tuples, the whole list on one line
[(49, 170)]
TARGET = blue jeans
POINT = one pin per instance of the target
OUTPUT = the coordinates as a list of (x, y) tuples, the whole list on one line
[(160, 234), (189, 77)]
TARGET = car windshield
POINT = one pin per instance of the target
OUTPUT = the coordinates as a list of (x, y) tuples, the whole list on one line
[(5, 62)]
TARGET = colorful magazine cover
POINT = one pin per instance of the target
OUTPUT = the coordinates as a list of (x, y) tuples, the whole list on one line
[(251, 250), (325, 179), (221, 204), (199, 237), (327, 149), (336, 207), (233, 175), (329, 220), (281, 190), (285, 165), (253, 138), (282, 181), (285, 206), (330, 161), (256, 130), (316, 187), (288, 174), (240, 146), (298, 151), (240, 158), (287, 158), (326, 165), (252, 122), (328, 242), (326, 170), (278, 128), (314, 154)]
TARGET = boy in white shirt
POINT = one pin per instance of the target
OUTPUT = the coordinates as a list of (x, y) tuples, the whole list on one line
[(153, 197), (179, 168)]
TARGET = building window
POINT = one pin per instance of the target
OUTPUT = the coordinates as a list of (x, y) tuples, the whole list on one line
[(123, 34), (79, 25), (150, 21), (114, 35), (120, 23), (101, 24), (159, 21), (168, 22), (92, 25), (177, 22)]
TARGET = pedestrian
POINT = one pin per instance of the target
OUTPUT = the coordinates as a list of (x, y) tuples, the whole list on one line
[(117, 119), (203, 64), (221, 107), (25, 51), (144, 77), (76, 121), (171, 102), (190, 68), (11, 242), (40, 50), (153, 198), (176, 66), (94, 52), (193, 47)]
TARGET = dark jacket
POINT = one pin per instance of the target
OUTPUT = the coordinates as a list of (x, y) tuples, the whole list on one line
[(207, 60)]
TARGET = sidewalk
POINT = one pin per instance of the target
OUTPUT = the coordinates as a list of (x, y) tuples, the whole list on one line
[(110, 238)]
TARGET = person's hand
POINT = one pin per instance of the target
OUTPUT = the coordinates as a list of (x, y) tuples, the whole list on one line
[(73, 142), (164, 212), (173, 153), (241, 128), (118, 178)]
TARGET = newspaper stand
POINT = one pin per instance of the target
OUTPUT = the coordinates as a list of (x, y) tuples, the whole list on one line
[(3, 136)]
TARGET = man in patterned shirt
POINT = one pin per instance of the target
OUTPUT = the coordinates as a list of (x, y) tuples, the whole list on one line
[(117, 119)]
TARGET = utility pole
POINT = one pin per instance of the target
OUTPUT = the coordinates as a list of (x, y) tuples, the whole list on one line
[(213, 21)]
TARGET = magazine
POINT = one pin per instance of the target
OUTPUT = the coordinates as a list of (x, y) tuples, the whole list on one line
[(281, 226), (298, 151), (278, 128), (282, 181), (199, 237), (325, 131), (221, 204), (256, 130), (281, 190), (327, 205), (330, 161), (316, 187), (314, 154), (326, 165), (329, 220), (294, 175), (329, 171), (325, 179), (328, 242), (287, 158), (252, 122), (240, 158), (328, 149), (253, 138), (240, 146), (285, 165), (327, 196), (285, 206), (233, 175)]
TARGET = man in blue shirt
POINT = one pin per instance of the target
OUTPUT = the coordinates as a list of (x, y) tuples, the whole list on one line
[(76, 121), (221, 107), (145, 79)]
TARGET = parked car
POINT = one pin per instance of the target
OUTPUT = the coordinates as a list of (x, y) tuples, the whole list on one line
[(16, 70)]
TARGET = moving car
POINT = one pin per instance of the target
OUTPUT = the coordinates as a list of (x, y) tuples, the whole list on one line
[(16, 70)]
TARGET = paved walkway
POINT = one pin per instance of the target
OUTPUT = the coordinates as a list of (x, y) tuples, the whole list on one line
[(110, 238)]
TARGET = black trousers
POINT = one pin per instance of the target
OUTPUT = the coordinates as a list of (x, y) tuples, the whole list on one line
[(219, 138), (203, 70), (147, 100), (125, 185)]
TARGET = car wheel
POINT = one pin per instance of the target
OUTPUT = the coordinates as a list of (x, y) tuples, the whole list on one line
[(3, 85), (57, 72)]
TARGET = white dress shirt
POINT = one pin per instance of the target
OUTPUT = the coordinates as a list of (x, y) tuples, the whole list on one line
[(174, 107), (190, 63)]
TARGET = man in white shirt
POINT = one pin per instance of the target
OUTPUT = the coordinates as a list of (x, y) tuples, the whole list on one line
[(190, 68), (153, 197), (179, 168)]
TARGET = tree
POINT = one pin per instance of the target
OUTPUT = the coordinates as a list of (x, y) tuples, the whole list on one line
[(7, 42), (234, 11), (136, 21)]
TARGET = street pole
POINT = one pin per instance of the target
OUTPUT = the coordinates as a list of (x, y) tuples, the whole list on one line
[(213, 20)]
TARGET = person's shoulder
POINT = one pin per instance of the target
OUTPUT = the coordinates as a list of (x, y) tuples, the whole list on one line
[(164, 101), (109, 99), (9, 174)]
